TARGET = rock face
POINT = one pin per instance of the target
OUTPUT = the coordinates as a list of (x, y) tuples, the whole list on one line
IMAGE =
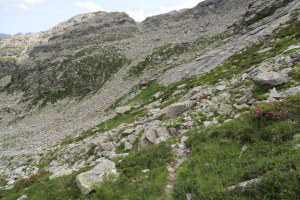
[(177, 109), (271, 79), (86, 180)]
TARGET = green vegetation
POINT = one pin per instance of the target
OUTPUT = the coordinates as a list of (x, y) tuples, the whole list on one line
[(131, 184), (162, 53), (218, 161), (259, 93)]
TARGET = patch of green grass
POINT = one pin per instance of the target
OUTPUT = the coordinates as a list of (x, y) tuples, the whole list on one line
[(218, 162), (259, 93), (147, 94)]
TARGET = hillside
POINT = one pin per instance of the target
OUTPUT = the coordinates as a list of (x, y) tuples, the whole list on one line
[(203, 104)]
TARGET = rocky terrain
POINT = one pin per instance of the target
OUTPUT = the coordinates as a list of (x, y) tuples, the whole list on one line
[(96, 92)]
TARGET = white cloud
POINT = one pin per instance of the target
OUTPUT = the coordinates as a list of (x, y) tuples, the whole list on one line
[(137, 15), (89, 5), (23, 7), (22, 4), (184, 4), (6, 9)]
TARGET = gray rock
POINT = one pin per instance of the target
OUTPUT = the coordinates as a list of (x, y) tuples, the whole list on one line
[(177, 109), (286, 71), (127, 145), (150, 134), (225, 109), (244, 99), (207, 123), (108, 146), (121, 155), (188, 196), (60, 173), (221, 87), (162, 132), (240, 107), (86, 180), (23, 197), (131, 138), (144, 142), (157, 95), (291, 91), (274, 94), (271, 79), (173, 131), (127, 132), (123, 109), (246, 183)]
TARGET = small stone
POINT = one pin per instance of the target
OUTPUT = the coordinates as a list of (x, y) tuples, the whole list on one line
[(123, 109), (221, 87), (240, 107), (23, 197), (244, 148), (188, 196), (207, 123), (157, 95), (146, 170), (127, 145)]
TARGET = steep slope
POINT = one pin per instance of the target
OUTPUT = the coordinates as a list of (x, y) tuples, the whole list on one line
[(63, 81)]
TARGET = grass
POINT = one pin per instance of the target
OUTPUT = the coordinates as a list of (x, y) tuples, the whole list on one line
[(270, 155), (131, 184)]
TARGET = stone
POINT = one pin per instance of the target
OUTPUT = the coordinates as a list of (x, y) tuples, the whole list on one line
[(60, 173), (150, 134), (188, 196), (228, 120), (244, 99), (291, 91), (177, 109), (181, 86), (146, 170), (121, 155), (207, 123), (274, 93), (221, 87), (86, 180), (246, 183), (144, 142), (225, 109), (157, 95), (131, 138), (127, 132), (162, 132), (123, 109), (127, 145), (108, 146), (271, 79), (23, 197), (173, 131), (240, 107), (244, 148)]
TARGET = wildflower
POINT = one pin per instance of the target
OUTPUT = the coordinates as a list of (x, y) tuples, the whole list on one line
[(133, 181), (273, 149), (206, 165)]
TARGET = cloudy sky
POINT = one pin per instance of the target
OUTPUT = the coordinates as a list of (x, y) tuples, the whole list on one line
[(37, 15)]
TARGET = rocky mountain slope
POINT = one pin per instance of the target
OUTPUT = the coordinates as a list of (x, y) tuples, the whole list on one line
[(101, 87)]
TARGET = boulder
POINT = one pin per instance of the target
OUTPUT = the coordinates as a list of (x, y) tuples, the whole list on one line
[(86, 180), (274, 94), (121, 155), (153, 135), (131, 138), (244, 99), (127, 132), (123, 109), (127, 145), (291, 91), (108, 146), (271, 79), (177, 109), (173, 131), (60, 173)]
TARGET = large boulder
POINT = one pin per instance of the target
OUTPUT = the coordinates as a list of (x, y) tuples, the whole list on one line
[(271, 79), (108, 146), (153, 134), (177, 109), (86, 180), (291, 91), (60, 173)]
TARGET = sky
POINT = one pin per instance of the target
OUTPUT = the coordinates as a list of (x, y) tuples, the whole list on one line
[(39, 15)]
